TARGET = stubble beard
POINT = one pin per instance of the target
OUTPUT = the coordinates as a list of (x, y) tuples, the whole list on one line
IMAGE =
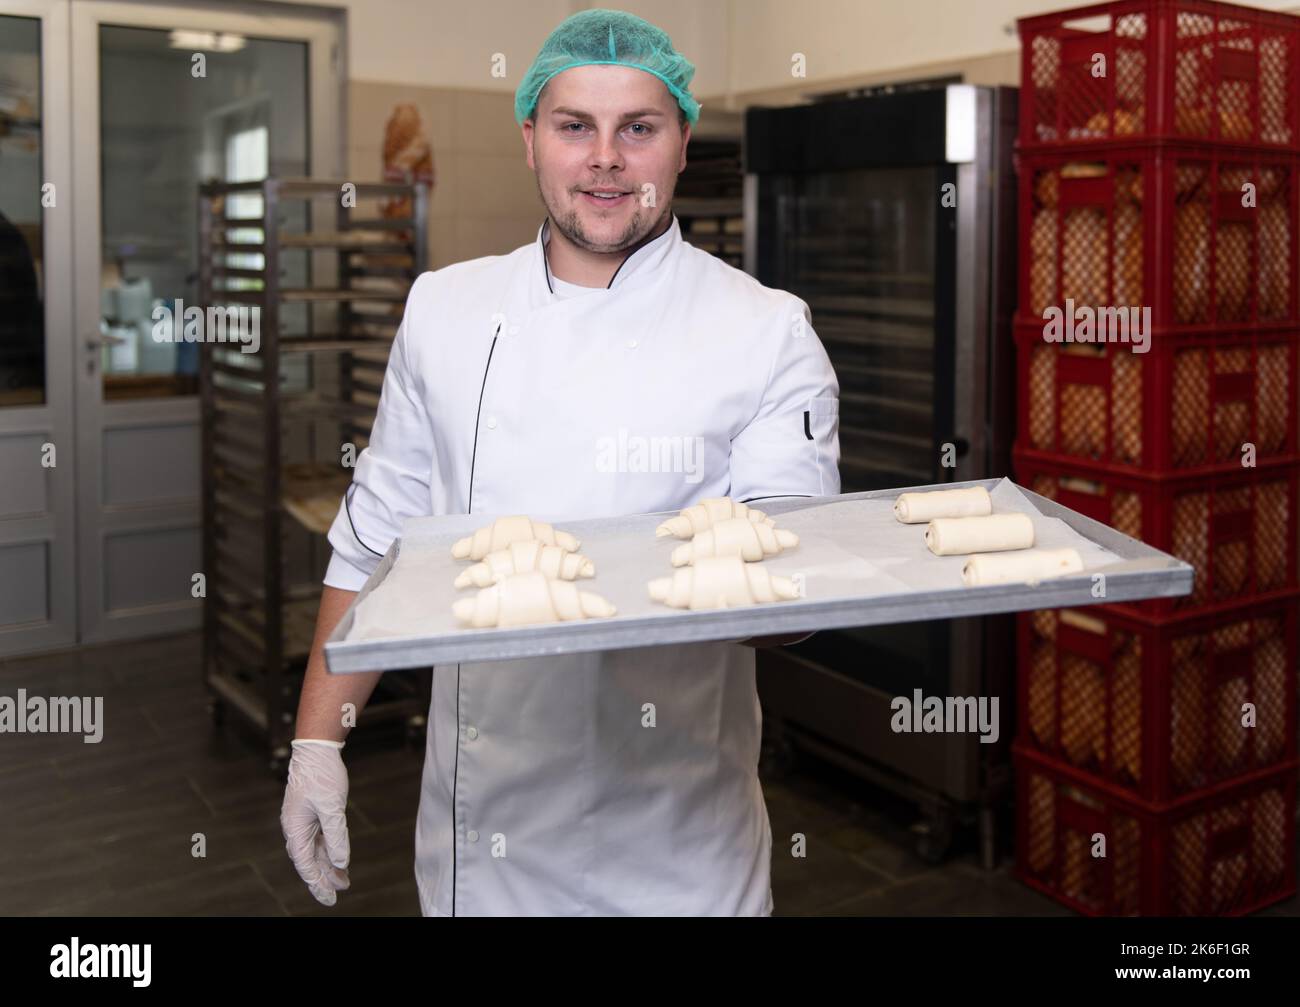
[(570, 225)]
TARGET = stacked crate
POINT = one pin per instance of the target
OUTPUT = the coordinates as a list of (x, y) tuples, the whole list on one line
[(1158, 161)]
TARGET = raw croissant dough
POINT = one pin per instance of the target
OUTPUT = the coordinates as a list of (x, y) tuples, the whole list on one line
[(1027, 566), (916, 508), (721, 582), (948, 536), (735, 537), (706, 513), (526, 598), (506, 530), (526, 557)]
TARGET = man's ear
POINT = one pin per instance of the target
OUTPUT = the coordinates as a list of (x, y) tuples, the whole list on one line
[(686, 139), (528, 143)]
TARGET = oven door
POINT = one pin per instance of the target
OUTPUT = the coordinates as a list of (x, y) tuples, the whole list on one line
[(861, 208)]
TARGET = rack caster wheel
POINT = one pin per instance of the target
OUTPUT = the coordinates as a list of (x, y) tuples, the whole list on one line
[(934, 835)]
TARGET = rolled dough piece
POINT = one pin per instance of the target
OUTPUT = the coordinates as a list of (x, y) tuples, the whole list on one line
[(721, 582), (951, 536), (735, 537), (527, 598), (916, 508), (705, 514), (1028, 566), (506, 530), (526, 557)]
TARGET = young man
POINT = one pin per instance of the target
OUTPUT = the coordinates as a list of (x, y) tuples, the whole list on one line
[(511, 384)]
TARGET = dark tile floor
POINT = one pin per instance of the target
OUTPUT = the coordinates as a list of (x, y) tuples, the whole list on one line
[(92, 830)]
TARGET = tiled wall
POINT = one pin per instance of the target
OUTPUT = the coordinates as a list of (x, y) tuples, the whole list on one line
[(484, 199)]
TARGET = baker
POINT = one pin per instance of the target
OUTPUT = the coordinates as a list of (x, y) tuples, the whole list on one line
[(543, 793)]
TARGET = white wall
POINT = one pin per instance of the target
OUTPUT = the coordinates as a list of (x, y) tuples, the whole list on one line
[(738, 46), (450, 43)]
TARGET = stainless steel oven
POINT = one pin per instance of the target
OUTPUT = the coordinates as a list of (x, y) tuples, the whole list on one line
[(893, 216)]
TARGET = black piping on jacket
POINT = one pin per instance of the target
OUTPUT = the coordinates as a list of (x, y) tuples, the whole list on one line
[(469, 509)]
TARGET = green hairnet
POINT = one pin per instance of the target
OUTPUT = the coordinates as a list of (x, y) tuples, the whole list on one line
[(611, 38)]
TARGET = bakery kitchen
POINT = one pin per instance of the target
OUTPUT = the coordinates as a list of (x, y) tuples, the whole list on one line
[(1084, 324)]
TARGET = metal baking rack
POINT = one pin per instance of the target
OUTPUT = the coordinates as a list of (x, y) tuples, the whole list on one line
[(329, 282)]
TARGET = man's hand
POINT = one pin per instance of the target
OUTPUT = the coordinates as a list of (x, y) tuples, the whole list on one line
[(783, 640), (312, 818)]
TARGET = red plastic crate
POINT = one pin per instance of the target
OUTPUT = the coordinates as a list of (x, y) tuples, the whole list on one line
[(1155, 709), (1172, 69), (1227, 853), (1237, 530), (1167, 227), (1189, 404)]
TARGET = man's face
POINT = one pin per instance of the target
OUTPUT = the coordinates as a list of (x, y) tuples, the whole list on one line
[(606, 128)]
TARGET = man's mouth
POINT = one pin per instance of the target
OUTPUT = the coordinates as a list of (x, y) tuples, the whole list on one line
[(605, 197)]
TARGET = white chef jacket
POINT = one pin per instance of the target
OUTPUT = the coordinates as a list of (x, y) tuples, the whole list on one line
[(543, 792)]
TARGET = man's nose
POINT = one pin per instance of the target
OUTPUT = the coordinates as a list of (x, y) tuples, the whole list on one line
[(606, 155)]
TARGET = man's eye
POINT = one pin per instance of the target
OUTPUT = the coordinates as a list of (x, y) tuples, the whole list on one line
[(568, 127), (641, 126)]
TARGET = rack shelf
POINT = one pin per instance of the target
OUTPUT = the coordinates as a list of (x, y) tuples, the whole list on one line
[(274, 423)]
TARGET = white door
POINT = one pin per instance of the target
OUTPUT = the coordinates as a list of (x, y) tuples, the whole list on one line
[(164, 97), (37, 452)]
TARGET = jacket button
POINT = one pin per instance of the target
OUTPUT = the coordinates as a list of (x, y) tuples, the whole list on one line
[(631, 344), (492, 422), (472, 836), (471, 733)]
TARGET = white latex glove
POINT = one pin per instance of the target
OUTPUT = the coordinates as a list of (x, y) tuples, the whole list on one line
[(312, 817)]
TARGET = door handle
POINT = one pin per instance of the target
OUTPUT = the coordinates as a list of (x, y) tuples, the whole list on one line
[(95, 342)]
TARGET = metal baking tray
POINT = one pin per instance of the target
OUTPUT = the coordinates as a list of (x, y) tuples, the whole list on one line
[(1136, 571)]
